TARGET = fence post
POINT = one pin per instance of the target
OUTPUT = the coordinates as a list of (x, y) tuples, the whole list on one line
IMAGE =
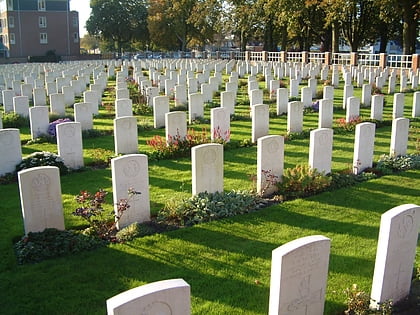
[(327, 58), (265, 56), (353, 58), (415, 62), (283, 56), (305, 57), (247, 56), (383, 58)]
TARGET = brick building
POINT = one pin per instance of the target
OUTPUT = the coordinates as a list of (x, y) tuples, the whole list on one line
[(35, 27)]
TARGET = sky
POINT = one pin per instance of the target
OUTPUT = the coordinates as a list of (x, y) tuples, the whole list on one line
[(83, 7)]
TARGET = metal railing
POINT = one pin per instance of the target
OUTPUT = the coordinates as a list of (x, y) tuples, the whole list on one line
[(400, 61), (370, 60), (341, 59)]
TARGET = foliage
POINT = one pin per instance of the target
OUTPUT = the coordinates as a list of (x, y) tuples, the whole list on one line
[(205, 207), (358, 303), (340, 180), (302, 181), (14, 120), (176, 146), (142, 109), (349, 125), (389, 164), (51, 127), (101, 158), (42, 159), (38, 246), (101, 223), (95, 133)]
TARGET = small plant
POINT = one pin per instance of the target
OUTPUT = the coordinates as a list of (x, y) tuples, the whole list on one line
[(349, 125), (205, 207), (51, 127), (302, 181), (102, 224), (358, 302), (221, 137), (101, 158), (270, 180), (142, 109), (42, 159), (13, 120), (376, 90), (388, 164)]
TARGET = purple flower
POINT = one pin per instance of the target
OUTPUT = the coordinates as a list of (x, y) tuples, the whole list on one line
[(51, 126)]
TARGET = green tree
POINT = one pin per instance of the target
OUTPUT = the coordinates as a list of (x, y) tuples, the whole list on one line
[(119, 21), (90, 43)]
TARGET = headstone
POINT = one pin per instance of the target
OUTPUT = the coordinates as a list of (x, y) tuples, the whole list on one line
[(161, 297), (21, 105), (39, 121), (68, 93), (326, 109), (416, 105), (130, 172), (125, 135), (282, 100), (207, 168), (299, 271), (377, 108), (51, 88), (260, 121), (122, 93), (352, 108), (398, 106), (160, 108), (69, 144), (8, 96), (180, 95), (207, 92), (399, 136), (227, 100), (294, 88), (151, 92), (39, 97), (220, 124), (192, 84), (274, 86), (294, 117), (395, 254), (320, 150), (256, 97), (175, 126), (92, 97), (195, 106), (123, 107), (83, 115), (363, 147), (391, 84), (306, 96), (11, 150), (403, 81), (312, 83), (57, 104), (348, 92), (270, 163), (26, 90), (40, 198), (366, 94)]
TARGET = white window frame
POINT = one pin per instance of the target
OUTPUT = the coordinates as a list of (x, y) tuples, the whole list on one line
[(12, 38), (11, 21), (43, 38), (75, 21), (41, 5), (10, 5), (42, 21), (76, 37)]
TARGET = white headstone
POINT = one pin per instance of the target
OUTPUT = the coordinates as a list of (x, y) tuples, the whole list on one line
[(92, 97), (207, 168), (294, 88), (416, 105), (175, 126), (363, 147), (326, 108), (11, 150), (207, 92), (270, 163), (348, 92), (220, 124), (195, 106), (39, 121), (158, 298), (160, 108), (294, 117), (260, 121), (68, 93), (227, 100), (180, 95), (8, 96), (40, 198), (282, 100), (21, 105), (377, 107), (122, 93), (352, 108), (299, 271), (320, 149), (366, 94), (69, 144), (57, 104), (395, 254), (306, 96), (83, 115), (125, 135), (39, 97), (123, 107), (399, 136), (398, 106), (130, 172)]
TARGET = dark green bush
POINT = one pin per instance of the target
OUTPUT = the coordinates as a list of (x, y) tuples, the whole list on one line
[(13, 120), (42, 159), (51, 243), (205, 207)]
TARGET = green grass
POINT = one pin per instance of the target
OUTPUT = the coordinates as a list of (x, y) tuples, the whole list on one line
[(227, 263)]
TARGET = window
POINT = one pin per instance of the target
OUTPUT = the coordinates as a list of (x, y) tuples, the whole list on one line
[(41, 5), (76, 37), (75, 21), (10, 5), (12, 38), (11, 21), (42, 21), (43, 38)]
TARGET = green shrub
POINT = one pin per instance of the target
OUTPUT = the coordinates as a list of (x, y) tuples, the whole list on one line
[(13, 120), (388, 164), (137, 230), (340, 180), (42, 159), (205, 207), (51, 243), (302, 181), (142, 109)]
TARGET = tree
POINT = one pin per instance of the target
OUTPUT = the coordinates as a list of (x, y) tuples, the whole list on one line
[(90, 43), (120, 21)]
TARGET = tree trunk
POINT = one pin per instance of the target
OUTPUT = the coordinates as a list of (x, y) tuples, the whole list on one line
[(335, 38), (283, 30)]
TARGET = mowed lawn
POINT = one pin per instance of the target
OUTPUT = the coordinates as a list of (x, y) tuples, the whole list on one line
[(227, 262)]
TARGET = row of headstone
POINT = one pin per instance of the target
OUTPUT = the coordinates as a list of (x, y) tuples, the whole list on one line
[(299, 273)]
